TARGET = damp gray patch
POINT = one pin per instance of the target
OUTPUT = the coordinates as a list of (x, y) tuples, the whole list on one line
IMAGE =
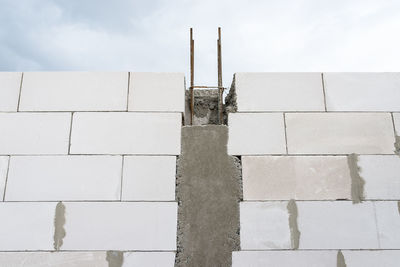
[(397, 145), (59, 222), (340, 262), (115, 258), (294, 229), (357, 182)]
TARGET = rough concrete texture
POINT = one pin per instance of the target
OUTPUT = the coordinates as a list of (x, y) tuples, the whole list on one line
[(340, 262), (357, 182), (294, 229), (59, 221), (208, 193), (397, 145), (205, 107), (115, 258)]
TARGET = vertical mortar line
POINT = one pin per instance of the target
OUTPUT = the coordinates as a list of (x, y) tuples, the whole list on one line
[(127, 95), (284, 123), (394, 125), (5, 183), (70, 133), (323, 90), (376, 224), (122, 177), (20, 90)]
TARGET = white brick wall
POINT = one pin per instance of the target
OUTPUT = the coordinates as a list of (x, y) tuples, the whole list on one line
[(284, 258), (384, 258), (279, 92), (388, 220), (3, 174), (157, 92), (54, 178), (337, 225), (149, 178), (26, 226), (339, 133), (264, 226), (256, 133), (362, 91), (10, 83), (396, 118), (302, 177), (74, 91), (149, 259), (126, 133), (120, 226), (34, 133)]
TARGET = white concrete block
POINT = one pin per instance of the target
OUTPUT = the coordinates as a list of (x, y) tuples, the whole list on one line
[(381, 258), (256, 134), (74, 91), (120, 226), (279, 92), (26, 226), (3, 174), (337, 225), (296, 177), (362, 91), (381, 175), (126, 133), (149, 178), (388, 220), (10, 83), (396, 118), (59, 259), (55, 178), (157, 92), (34, 133), (149, 259), (284, 258), (339, 133), (264, 225)]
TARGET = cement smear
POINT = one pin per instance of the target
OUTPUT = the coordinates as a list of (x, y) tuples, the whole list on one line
[(115, 258), (59, 222), (397, 145), (357, 182), (340, 262), (205, 107), (208, 194), (294, 229)]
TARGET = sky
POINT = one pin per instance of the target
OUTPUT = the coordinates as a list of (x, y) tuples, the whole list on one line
[(153, 35)]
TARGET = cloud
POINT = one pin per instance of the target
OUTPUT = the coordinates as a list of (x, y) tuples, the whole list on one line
[(301, 35)]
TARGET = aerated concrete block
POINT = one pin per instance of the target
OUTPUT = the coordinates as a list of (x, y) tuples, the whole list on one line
[(157, 92), (59, 259), (388, 220), (284, 258), (381, 175), (74, 91), (34, 133), (264, 225), (383, 258), (26, 226), (337, 225), (3, 174), (300, 177), (149, 178), (340, 133), (55, 178), (126, 133), (279, 92), (142, 226), (256, 134), (10, 83), (144, 259), (362, 91)]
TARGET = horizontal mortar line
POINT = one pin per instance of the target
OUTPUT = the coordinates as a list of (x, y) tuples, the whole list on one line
[(314, 111), (89, 111), (323, 200), (309, 155), (317, 249), (89, 201), (93, 250), (30, 155)]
